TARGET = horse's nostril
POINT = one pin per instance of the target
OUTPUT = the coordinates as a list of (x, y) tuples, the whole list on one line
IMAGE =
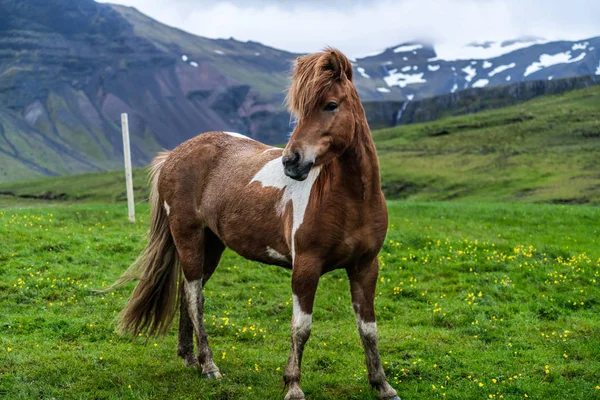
[(292, 159)]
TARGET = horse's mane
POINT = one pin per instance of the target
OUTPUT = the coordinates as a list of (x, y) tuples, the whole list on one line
[(312, 76)]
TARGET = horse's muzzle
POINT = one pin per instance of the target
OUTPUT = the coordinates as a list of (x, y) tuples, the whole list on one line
[(295, 169)]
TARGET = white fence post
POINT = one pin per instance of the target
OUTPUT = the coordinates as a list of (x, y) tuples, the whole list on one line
[(128, 179)]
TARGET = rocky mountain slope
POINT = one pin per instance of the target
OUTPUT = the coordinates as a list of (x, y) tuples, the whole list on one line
[(69, 68), (385, 114)]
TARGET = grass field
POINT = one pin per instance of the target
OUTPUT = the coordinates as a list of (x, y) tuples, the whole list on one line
[(474, 301)]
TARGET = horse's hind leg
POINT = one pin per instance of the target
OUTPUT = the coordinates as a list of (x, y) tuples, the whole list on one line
[(185, 348), (363, 280), (213, 249), (197, 261)]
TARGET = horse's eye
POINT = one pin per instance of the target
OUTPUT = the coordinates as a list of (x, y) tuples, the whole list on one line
[(331, 106)]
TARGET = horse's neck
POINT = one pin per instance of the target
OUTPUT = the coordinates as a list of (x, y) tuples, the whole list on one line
[(359, 163)]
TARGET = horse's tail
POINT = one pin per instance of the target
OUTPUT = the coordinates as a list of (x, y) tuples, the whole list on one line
[(153, 303)]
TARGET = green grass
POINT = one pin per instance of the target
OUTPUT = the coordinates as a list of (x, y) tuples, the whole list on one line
[(105, 187), (543, 151), (473, 301)]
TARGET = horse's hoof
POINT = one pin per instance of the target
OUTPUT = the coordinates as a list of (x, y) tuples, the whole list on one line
[(213, 375), (395, 398)]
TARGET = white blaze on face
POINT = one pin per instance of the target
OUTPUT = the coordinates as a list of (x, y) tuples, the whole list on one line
[(298, 192), (310, 154), (302, 320)]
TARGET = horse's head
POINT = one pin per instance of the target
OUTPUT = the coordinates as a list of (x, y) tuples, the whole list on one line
[(324, 100)]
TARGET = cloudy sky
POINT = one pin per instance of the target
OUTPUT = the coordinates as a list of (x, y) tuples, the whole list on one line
[(360, 27)]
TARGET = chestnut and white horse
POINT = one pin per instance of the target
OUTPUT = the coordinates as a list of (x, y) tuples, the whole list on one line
[(313, 207)]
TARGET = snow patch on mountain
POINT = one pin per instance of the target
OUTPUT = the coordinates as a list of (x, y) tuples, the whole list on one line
[(383, 90), (396, 78), (508, 78), (470, 71), (481, 83), (362, 72), (501, 68), (219, 52), (547, 60), (409, 97), (407, 48), (580, 46), (194, 64), (433, 68), (487, 64), (184, 58), (454, 87), (450, 52), (598, 70), (406, 69)]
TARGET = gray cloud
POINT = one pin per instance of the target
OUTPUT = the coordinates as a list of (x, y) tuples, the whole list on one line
[(359, 27)]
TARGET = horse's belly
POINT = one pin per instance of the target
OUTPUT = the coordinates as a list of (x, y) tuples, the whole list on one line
[(258, 241)]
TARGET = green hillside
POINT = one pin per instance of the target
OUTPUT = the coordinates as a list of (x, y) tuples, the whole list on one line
[(545, 150)]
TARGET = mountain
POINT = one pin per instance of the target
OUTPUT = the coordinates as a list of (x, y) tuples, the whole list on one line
[(386, 113), (415, 70), (69, 68)]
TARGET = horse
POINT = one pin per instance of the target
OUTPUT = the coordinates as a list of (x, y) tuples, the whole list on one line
[(312, 207)]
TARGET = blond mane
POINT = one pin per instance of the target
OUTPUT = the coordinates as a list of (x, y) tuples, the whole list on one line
[(312, 77)]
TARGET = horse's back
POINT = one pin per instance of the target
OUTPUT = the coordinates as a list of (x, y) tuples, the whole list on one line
[(205, 157)]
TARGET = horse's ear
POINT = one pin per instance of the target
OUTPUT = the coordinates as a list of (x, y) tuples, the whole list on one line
[(339, 64)]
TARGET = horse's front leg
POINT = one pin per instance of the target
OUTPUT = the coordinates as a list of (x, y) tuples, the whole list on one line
[(363, 279), (305, 279)]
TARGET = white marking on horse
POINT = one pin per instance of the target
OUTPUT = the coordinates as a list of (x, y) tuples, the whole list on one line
[(237, 135), (272, 149), (298, 192), (193, 291), (368, 329), (310, 154), (167, 208), (302, 320), (365, 329), (275, 255)]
